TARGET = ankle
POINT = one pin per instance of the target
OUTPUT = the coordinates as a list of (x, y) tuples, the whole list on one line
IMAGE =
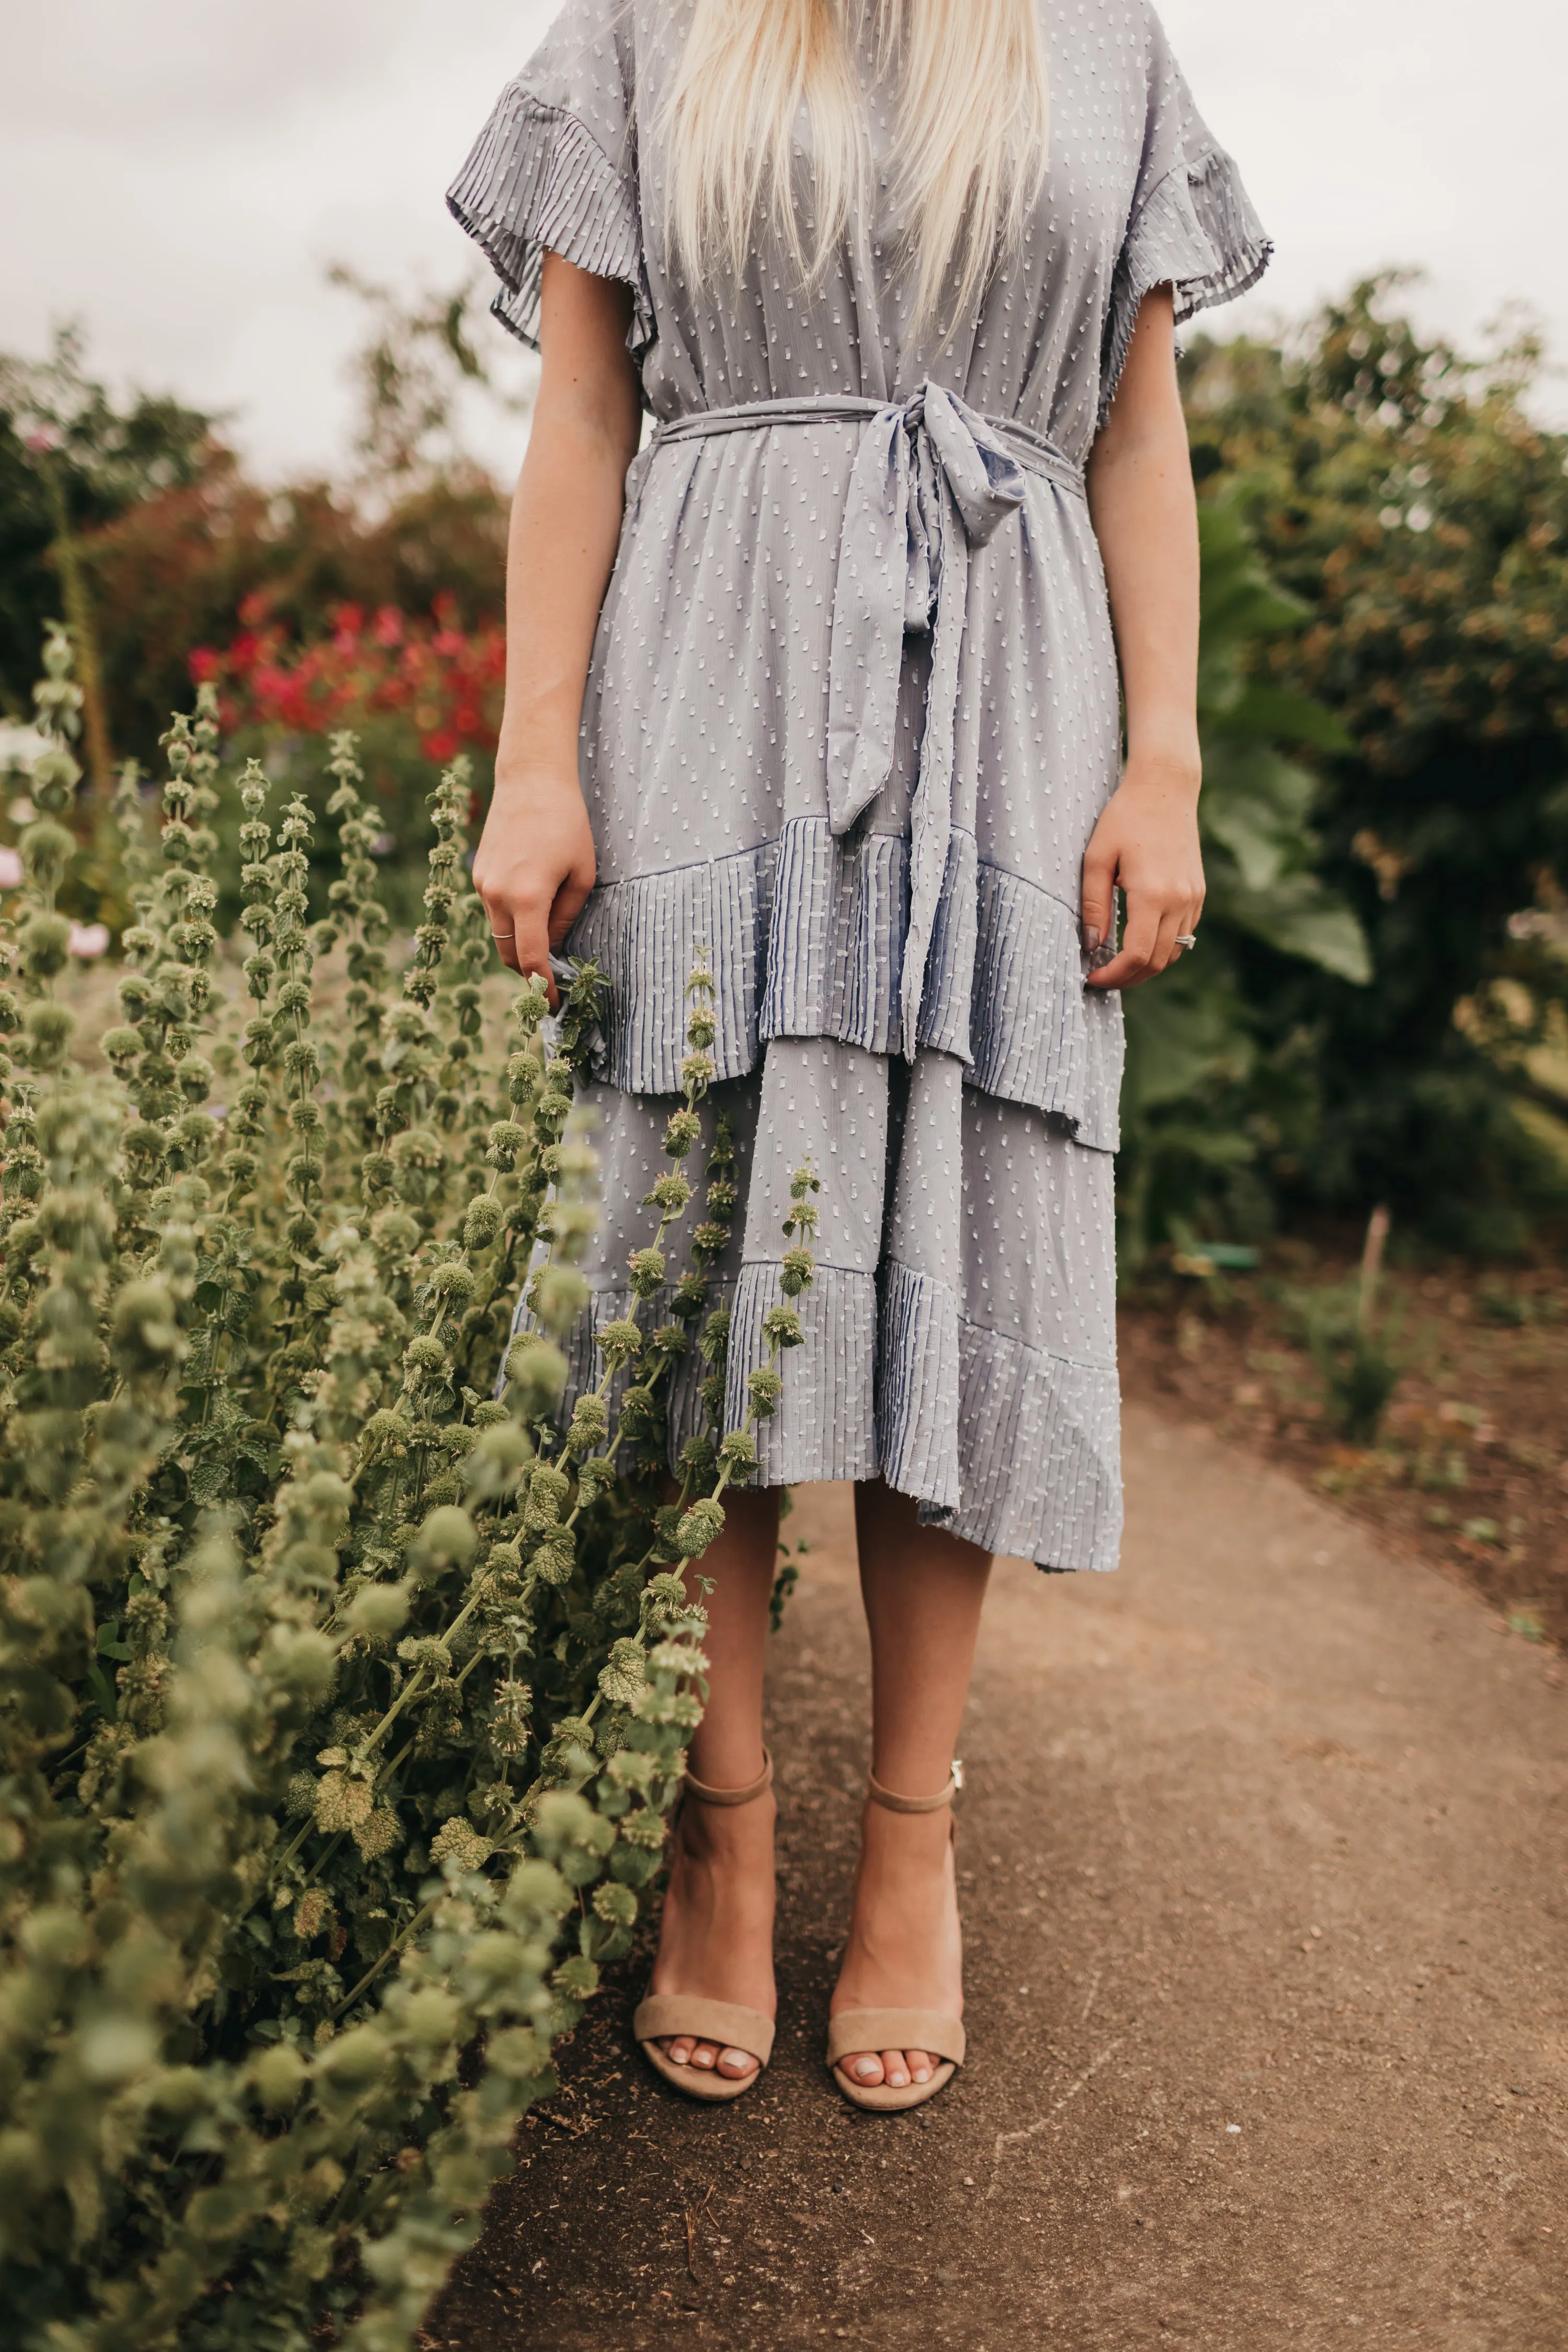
[(729, 1831), (905, 1838), (736, 1761)]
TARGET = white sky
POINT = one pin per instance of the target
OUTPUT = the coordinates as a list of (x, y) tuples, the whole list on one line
[(177, 173)]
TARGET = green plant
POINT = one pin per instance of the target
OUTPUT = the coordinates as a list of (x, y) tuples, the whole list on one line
[(132, 516), (1351, 1350), (1403, 493), (343, 1694), (1205, 1109)]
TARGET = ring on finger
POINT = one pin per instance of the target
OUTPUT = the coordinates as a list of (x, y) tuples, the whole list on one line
[(1185, 940)]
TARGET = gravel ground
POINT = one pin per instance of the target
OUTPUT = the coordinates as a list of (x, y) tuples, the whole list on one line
[(1262, 1860)]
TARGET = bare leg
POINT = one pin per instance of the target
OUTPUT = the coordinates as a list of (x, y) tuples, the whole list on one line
[(716, 1935), (922, 1591)]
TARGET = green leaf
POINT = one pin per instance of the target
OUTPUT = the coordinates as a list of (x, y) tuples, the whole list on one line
[(1298, 917)]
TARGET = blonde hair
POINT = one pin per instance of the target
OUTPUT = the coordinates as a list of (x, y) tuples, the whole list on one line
[(969, 147)]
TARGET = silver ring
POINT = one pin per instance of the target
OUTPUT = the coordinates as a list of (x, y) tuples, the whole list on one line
[(1186, 939), (500, 936)]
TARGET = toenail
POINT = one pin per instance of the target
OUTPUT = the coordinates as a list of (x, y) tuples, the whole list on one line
[(923, 2073), (865, 2066)]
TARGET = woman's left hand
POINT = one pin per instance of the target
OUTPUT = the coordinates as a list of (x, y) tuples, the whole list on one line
[(1146, 841)]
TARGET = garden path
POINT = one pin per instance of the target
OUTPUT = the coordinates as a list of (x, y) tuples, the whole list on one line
[(1264, 1850)]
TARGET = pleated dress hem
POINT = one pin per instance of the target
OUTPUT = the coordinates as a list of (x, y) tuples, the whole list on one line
[(893, 1381)]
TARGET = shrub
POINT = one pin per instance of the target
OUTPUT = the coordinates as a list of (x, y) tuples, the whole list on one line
[(1403, 493), (342, 1696), (1353, 1354), (1210, 1103), (132, 517), (416, 692)]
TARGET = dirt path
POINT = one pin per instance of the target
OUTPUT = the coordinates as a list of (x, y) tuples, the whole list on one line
[(1263, 1854)]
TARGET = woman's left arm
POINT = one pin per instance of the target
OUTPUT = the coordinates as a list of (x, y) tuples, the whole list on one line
[(1145, 518)]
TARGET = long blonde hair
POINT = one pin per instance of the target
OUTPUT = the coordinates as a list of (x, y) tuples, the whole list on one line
[(969, 147)]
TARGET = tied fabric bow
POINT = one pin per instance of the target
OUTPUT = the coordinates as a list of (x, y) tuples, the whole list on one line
[(931, 480)]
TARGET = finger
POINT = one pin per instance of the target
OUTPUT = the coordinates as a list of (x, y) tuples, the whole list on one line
[(1138, 944), (530, 945), (1165, 950), (1098, 899), (570, 901), (503, 939), (1188, 928), (501, 924)]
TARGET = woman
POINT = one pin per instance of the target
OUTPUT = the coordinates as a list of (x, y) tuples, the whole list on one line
[(824, 681)]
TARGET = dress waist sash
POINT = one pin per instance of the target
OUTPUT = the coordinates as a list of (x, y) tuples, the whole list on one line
[(931, 478)]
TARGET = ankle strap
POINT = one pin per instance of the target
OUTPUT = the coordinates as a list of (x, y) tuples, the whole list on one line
[(707, 1796), (897, 1804)]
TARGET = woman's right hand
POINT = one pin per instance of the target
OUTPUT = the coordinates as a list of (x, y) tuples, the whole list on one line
[(534, 865)]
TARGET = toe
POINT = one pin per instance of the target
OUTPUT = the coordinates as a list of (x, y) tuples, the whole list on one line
[(920, 2064), (736, 2064), (895, 2074), (704, 2054), (679, 2049), (863, 2066)]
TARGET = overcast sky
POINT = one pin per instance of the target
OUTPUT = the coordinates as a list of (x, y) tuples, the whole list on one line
[(177, 173)]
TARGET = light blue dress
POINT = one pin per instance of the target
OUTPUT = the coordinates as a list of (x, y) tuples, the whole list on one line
[(852, 715)]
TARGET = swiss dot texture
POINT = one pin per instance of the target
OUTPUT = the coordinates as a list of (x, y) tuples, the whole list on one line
[(851, 718)]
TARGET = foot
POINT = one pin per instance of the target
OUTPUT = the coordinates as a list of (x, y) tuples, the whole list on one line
[(716, 1935), (905, 1947)]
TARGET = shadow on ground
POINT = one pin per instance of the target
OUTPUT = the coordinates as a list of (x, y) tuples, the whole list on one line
[(1262, 1857)]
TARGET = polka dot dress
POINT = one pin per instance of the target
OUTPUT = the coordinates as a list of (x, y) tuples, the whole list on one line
[(852, 714)]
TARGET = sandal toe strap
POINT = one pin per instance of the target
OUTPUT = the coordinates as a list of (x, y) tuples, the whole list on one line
[(894, 2029), (664, 2014)]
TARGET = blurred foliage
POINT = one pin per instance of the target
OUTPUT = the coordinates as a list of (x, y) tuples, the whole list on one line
[(71, 453), (414, 375), (176, 573), (1202, 1102), (173, 539), (1401, 492), (414, 691)]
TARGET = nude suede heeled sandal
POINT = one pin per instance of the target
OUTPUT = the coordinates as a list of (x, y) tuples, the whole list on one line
[(898, 2029), (660, 2015)]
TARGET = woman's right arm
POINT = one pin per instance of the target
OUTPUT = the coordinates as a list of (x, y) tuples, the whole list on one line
[(534, 866)]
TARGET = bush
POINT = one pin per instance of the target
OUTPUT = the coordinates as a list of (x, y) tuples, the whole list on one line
[(415, 692), (1401, 492), (1354, 1356), (1211, 1104), (342, 1697), (132, 517)]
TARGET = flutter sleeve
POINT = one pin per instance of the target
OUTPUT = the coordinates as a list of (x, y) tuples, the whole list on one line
[(1192, 225), (554, 170)]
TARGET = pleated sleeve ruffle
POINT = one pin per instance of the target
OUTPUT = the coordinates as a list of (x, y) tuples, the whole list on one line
[(1192, 226), (554, 170)]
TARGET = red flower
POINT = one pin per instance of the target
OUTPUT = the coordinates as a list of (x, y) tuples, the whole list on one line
[(447, 682)]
